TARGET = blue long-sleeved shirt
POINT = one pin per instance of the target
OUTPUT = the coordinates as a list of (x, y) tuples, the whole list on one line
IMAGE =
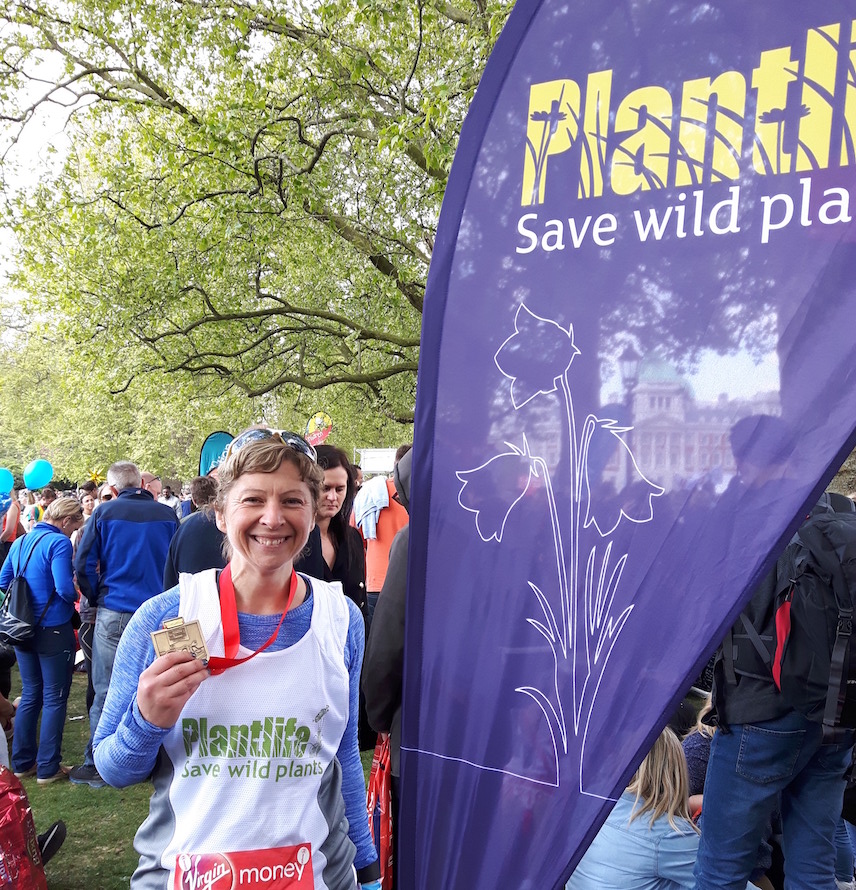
[(127, 745), (49, 568), (123, 550)]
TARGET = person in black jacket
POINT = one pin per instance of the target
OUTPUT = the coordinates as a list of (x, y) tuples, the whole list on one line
[(335, 549), (765, 755), (198, 543), (383, 665)]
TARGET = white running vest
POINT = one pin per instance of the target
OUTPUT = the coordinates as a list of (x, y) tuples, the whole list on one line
[(249, 752)]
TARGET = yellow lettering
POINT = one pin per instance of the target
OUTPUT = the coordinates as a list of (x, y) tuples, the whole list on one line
[(815, 127), (849, 122), (711, 129), (643, 137), (595, 129), (804, 120), (773, 80), (552, 127)]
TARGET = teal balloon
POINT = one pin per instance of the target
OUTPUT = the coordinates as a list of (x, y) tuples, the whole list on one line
[(7, 480), (38, 474)]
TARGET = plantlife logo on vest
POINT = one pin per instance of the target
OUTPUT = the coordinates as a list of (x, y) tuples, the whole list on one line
[(256, 744)]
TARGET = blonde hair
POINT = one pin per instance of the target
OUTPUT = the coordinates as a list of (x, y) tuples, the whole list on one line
[(661, 784), (63, 508), (701, 727)]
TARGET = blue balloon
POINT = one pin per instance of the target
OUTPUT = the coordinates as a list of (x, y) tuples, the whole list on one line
[(5, 503), (38, 474), (7, 480)]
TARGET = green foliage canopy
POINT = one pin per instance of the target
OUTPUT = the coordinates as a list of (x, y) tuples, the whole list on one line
[(252, 189)]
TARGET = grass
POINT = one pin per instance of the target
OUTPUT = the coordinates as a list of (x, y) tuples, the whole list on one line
[(98, 853), (101, 822)]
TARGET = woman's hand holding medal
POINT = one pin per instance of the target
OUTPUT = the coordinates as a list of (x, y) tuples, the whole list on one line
[(166, 685)]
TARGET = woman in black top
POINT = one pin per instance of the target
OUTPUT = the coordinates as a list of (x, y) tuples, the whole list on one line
[(335, 549)]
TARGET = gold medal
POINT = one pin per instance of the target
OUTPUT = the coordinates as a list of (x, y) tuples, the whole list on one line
[(178, 636)]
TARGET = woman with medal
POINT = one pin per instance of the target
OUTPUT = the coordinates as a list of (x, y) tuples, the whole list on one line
[(252, 750)]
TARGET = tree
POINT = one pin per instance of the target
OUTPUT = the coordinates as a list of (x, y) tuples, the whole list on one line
[(56, 404), (251, 195)]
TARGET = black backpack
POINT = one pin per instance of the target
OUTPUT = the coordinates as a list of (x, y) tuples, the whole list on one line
[(808, 650), (17, 622), (814, 664)]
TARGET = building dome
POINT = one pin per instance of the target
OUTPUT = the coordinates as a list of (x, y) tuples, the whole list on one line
[(656, 371)]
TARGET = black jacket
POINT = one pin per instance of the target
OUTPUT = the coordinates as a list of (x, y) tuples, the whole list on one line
[(196, 546), (743, 687), (383, 666), (349, 566)]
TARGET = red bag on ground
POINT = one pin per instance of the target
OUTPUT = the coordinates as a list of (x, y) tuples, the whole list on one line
[(20, 860), (379, 807)]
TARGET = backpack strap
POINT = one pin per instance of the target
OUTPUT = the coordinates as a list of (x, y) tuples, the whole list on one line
[(748, 652), (755, 639), (728, 657), (19, 573)]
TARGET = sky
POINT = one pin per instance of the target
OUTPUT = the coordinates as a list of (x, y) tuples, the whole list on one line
[(29, 159), (738, 376)]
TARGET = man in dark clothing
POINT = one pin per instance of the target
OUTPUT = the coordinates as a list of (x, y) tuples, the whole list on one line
[(198, 543), (765, 754), (119, 565), (383, 665)]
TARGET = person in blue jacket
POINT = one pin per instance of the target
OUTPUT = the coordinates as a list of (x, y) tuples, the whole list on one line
[(119, 564), (47, 661)]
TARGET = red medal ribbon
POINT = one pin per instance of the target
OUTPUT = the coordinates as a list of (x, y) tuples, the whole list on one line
[(229, 617)]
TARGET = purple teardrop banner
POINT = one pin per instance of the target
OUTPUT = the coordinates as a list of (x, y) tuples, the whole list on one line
[(638, 369)]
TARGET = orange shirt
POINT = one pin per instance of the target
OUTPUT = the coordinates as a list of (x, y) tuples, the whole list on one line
[(389, 521), (10, 518)]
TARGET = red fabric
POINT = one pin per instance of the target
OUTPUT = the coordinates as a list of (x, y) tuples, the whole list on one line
[(379, 808), (14, 510), (783, 630), (229, 617), (20, 859)]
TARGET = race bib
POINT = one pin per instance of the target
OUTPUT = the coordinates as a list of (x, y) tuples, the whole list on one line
[(282, 868)]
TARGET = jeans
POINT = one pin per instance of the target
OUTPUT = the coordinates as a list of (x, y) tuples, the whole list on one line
[(748, 769), (843, 853), (851, 833), (109, 627), (46, 665), (371, 605)]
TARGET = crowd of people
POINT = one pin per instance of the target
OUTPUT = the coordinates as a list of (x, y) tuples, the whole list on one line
[(260, 561), (288, 575)]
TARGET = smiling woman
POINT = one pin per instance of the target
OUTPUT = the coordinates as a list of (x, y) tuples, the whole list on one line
[(254, 749)]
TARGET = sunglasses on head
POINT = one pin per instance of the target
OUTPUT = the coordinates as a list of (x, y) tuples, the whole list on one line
[(106, 497), (261, 434)]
